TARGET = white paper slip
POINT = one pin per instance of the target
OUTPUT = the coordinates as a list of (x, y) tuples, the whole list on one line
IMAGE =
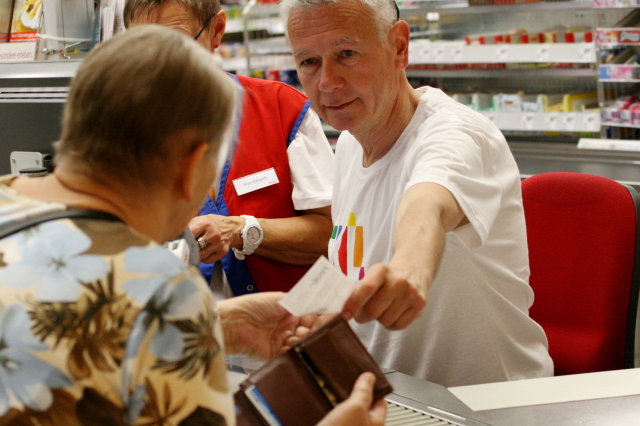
[(322, 290), (549, 390)]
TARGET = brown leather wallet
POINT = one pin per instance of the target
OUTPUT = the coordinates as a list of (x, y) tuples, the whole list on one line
[(300, 386)]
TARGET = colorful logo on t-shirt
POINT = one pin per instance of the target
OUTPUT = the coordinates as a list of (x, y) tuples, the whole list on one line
[(347, 247)]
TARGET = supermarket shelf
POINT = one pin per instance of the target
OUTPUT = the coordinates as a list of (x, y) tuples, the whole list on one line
[(506, 73), (39, 69), (463, 8), (609, 144), (626, 125), (458, 53), (534, 121), (546, 121)]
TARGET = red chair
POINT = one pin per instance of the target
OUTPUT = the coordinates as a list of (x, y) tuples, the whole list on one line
[(584, 258)]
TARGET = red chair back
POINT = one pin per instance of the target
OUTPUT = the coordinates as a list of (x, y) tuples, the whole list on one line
[(582, 238)]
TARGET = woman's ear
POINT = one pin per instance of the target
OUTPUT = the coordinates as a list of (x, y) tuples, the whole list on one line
[(189, 172)]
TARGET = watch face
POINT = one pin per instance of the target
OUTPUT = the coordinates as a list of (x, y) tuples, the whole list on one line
[(253, 235)]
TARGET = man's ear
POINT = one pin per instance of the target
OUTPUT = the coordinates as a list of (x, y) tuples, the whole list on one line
[(399, 39), (188, 169), (216, 28)]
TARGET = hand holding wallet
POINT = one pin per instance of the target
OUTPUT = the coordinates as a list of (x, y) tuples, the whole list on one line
[(300, 386)]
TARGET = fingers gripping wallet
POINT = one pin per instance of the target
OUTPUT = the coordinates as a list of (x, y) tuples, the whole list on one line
[(300, 386)]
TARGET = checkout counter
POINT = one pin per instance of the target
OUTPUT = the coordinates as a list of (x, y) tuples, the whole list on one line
[(415, 402)]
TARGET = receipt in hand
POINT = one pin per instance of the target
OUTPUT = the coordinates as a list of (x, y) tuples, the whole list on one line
[(322, 290)]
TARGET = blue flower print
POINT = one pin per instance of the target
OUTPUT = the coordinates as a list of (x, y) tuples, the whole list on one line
[(157, 262), (51, 258), (27, 377), (169, 302), (162, 300)]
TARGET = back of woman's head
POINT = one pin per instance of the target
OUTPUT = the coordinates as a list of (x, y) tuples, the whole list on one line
[(134, 91)]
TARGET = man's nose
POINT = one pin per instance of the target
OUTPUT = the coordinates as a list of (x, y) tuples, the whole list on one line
[(330, 77)]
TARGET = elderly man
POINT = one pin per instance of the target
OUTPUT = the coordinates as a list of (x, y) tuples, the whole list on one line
[(426, 204), (273, 204)]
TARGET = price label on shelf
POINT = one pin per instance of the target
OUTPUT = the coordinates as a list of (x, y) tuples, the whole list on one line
[(502, 52), (586, 52), (542, 53), (425, 55), (456, 54), (569, 121), (551, 120), (438, 54), (591, 121), (527, 120)]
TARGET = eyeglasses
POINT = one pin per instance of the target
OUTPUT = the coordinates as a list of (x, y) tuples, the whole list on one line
[(397, 10), (206, 24)]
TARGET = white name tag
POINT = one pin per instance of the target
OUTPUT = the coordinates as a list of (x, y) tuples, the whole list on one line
[(255, 181)]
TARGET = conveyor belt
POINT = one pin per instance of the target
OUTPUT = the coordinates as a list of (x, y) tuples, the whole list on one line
[(400, 415)]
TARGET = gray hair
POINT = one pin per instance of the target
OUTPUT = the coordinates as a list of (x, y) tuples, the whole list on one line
[(131, 94), (384, 11), (201, 9)]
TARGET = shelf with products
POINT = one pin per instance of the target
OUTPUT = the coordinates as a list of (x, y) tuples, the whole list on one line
[(618, 44), (458, 52), (510, 51), (256, 41)]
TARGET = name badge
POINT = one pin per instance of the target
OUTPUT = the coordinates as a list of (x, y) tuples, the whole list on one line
[(255, 181)]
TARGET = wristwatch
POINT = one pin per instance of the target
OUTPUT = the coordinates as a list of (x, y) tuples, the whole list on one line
[(251, 237)]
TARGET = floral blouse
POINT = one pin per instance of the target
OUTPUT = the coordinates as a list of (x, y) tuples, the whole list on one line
[(101, 326)]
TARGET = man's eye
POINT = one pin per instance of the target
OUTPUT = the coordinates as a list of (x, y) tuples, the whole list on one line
[(308, 62), (348, 53)]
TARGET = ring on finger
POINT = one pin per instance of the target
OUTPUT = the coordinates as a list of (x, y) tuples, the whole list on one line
[(202, 243)]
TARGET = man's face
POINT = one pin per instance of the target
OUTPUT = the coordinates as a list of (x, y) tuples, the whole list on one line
[(174, 15), (347, 72)]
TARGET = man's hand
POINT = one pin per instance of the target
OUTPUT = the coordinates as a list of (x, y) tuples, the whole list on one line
[(258, 326), (394, 296), (220, 233), (357, 409)]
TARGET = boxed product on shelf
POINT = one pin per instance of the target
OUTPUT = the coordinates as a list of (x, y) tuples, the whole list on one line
[(627, 114), (629, 35), (618, 72), (613, 112), (509, 102), (25, 21), (6, 8), (483, 102), (634, 110)]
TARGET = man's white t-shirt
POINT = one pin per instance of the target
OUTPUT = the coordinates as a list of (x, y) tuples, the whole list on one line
[(476, 327)]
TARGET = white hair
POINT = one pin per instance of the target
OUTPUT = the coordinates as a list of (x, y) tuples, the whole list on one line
[(384, 11)]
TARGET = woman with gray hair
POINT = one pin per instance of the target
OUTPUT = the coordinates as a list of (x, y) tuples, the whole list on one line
[(100, 324)]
